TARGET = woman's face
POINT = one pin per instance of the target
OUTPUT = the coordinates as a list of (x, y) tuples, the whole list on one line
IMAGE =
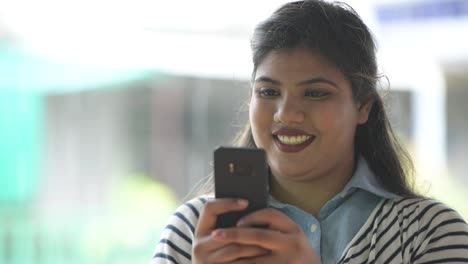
[(302, 113)]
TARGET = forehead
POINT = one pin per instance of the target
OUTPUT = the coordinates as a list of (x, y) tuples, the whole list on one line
[(298, 63)]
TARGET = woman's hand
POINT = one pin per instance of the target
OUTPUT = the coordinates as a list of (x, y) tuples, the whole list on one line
[(283, 238), (207, 249)]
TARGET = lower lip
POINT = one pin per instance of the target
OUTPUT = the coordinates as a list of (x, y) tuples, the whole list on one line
[(292, 148)]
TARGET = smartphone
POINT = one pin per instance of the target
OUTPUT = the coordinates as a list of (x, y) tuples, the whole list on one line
[(240, 173)]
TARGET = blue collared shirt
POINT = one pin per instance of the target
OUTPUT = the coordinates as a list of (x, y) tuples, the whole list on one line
[(340, 218)]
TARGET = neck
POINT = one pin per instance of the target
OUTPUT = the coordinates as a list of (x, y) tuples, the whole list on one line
[(312, 194)]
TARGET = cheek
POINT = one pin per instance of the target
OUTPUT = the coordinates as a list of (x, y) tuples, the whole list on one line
[(252, 113), (260, 116), (338, 121)]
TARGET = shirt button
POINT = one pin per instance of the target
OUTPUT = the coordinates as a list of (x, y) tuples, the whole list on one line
[(313, 228)]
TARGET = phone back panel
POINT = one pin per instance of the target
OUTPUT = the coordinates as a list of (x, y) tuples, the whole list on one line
[(240, 173)]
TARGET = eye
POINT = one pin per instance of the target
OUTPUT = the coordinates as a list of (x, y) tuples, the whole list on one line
[(316, 94), (267, 92)]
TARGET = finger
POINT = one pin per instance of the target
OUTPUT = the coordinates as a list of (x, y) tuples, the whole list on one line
[(273, 218), (234, 251), (212, 209), (204, 246), (265, 238), (207, 245), (273, 258), (266, 259)]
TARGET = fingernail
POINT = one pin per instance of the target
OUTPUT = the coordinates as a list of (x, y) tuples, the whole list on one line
[(242, 202)]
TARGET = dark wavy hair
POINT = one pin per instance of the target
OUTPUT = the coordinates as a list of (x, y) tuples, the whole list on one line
[(336, 31)]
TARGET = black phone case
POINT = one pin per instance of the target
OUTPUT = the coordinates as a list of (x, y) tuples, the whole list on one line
[(240, 173)]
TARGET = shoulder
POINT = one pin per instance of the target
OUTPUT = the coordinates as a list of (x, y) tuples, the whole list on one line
[(435, 232), (422, 210), (176, 239), (418, 216), (186, 215), (191, 209), (429, 230), (411, 230), (185, 218)]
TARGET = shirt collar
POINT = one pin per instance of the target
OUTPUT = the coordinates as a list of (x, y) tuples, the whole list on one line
[(363, 178)]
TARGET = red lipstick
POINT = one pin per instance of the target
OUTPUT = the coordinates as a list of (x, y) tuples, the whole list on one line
[(288, 133)]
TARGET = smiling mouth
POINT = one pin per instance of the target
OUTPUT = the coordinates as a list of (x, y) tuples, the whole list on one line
[(293, 140), (292, 143)]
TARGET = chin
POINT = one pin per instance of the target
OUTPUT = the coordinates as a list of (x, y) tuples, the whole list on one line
[(286, 173)]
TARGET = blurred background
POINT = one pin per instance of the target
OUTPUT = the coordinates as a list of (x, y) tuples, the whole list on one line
[(110, 111)]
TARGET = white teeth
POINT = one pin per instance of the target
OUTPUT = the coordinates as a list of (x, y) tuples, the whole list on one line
[(293, 140)]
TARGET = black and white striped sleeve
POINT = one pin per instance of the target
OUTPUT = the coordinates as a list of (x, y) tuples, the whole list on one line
[(175, 244), (442, 236)]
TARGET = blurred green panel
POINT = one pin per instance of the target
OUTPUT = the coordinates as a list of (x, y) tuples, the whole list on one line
[(22, 244), (2, 245), (20, 144), (23, 70)]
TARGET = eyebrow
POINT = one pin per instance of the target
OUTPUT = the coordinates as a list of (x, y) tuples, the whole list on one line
[(309, 81), (268, 80)]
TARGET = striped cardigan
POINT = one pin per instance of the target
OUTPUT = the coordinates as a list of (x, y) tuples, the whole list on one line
[(405, 230)]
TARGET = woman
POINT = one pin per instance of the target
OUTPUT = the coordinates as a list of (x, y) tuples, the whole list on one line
[(339, 179)]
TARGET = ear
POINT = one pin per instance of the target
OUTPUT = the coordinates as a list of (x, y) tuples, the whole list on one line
[(364, 109)]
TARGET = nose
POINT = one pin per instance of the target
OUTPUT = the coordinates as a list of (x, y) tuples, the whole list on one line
[(289, 111)]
